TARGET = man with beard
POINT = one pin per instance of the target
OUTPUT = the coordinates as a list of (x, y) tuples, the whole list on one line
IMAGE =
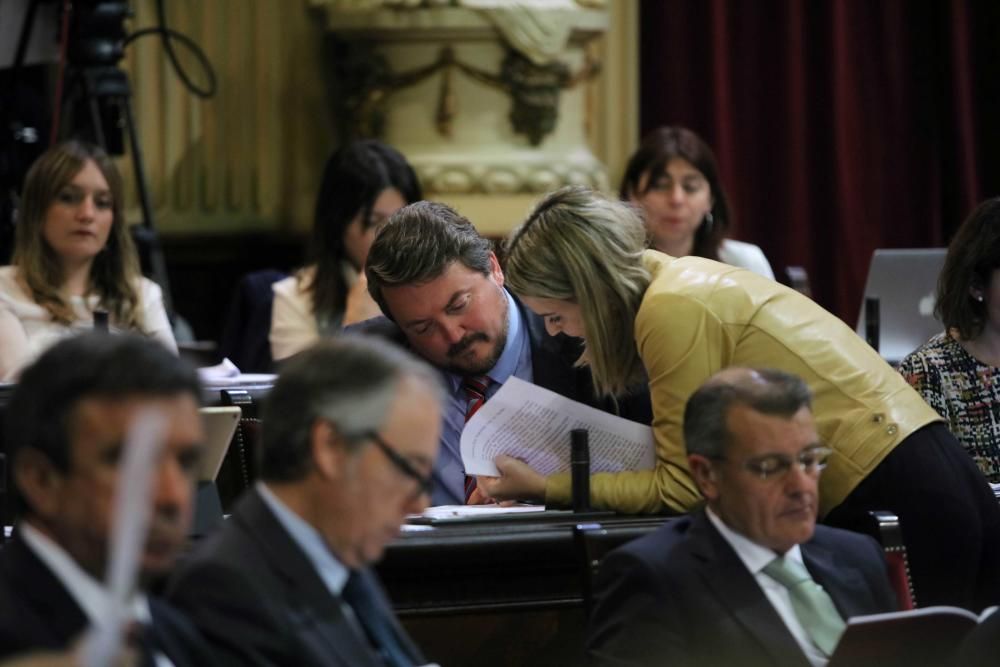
[(66, 427), (442, 291)]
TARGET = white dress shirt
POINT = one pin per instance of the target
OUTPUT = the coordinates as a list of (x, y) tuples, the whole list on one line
[(755, 558), (27, 329)]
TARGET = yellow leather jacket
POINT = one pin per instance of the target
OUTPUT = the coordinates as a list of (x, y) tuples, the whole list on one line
[(698, 317)]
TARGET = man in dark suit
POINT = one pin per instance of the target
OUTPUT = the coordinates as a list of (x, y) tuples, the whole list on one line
[(350, 432), (441, 287), (66, 423), (713, 588)]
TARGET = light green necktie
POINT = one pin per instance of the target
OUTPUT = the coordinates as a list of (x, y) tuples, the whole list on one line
[(812, 605)]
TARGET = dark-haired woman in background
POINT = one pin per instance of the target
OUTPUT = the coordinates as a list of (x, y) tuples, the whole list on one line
[(363, 184), (73, 255), (674, 179), (958, 371)]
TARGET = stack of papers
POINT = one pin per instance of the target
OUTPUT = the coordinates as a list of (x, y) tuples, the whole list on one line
[(533, 424), (475, 511), (227, 373)]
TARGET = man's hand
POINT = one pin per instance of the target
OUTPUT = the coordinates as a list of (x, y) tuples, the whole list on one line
[(517, 481)]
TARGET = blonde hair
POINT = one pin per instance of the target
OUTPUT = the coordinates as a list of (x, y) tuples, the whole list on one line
[(115, 271), (581, 247)]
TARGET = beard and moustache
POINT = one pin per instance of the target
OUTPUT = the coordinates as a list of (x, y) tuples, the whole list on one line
[(477, 366)]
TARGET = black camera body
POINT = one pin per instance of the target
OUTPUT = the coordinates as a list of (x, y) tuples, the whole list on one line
[(97, 33)]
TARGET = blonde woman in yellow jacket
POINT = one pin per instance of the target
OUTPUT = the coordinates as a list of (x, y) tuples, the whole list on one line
[(580, 262)]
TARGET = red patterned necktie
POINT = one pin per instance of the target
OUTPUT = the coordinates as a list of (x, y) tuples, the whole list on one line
[(475, 393)]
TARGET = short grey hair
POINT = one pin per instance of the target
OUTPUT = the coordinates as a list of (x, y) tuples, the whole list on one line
[(350, 381), (768, 391), (418, 243)]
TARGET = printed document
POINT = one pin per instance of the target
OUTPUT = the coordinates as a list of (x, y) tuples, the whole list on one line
[(532, 424)]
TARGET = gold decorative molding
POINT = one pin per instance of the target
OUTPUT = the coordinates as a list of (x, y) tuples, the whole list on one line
[(613, 101), (370, 83), (250, 157), (505, 119)]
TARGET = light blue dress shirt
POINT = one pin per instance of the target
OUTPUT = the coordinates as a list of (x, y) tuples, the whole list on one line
[(515, 360)]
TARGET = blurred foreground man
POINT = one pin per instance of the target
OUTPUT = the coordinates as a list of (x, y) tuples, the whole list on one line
[(750, 580), (350, 432), (67, 423)]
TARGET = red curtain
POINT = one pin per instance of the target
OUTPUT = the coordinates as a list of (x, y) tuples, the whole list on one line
[(840, 126)]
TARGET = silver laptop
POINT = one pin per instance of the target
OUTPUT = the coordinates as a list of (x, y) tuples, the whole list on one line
[(905, 282)]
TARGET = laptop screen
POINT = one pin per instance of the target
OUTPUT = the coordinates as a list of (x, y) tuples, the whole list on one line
[(220, 425), (904, 281)]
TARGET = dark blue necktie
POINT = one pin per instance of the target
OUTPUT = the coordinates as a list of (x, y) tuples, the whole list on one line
[(359, 594)]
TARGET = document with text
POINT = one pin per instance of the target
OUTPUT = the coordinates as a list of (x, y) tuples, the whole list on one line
[(532, 424)]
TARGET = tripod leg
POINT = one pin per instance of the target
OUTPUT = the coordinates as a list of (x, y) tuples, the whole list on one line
[(95, 111)]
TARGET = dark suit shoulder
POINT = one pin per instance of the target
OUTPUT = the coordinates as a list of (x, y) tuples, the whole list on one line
[(640, 594), (853, 549), (259, 600), (36, 611), (856, 552), (176, 636), (233, 594), (380, 326), (840, 538), (656, 548)]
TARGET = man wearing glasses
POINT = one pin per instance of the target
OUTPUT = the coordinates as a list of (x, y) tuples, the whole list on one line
[(751, 579), (350, 434)]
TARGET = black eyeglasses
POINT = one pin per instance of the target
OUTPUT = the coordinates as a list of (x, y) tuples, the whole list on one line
[(776, 466), (425, 483)]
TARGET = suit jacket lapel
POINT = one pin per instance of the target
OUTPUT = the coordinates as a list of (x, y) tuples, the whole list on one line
[(44, 593), (385, 609), (325, 621), (845, 585), (738, 591)]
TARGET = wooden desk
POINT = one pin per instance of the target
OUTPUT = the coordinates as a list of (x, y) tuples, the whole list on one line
[(497, 593)]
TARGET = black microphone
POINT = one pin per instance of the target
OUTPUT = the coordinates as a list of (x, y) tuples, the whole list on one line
[(872, 321), (579, 465), (101, 320)]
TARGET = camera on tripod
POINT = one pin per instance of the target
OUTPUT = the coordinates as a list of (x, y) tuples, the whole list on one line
[(97, 90)]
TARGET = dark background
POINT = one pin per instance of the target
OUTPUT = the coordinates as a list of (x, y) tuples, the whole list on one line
[(840, 126)]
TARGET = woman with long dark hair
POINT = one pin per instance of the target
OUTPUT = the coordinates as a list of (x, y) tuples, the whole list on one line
[(363, 184)]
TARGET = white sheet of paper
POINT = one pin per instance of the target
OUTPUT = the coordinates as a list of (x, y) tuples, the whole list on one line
[(227, 374), (467, 511), (129, 529), (531, 423), (226, 370)]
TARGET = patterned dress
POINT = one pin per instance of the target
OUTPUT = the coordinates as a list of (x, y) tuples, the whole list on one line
[(965, 391)]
